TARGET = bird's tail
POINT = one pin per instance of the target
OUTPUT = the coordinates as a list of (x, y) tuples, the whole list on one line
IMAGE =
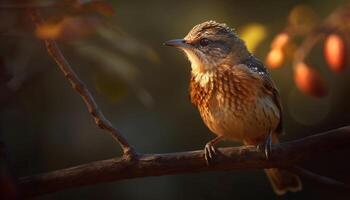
[(283, 181)]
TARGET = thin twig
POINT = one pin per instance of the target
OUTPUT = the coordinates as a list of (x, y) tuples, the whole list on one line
[(318, 178), (284, 155), (79, 86), (306, 46)]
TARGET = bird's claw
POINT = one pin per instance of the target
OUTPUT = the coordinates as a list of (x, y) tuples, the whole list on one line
[(210, 153), (266, 147)]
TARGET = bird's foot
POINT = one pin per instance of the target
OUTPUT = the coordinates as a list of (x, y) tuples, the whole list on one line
[(210, 152), (266, 146)]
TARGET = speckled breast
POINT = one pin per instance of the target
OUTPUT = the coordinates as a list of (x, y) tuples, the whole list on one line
[(233, 105)]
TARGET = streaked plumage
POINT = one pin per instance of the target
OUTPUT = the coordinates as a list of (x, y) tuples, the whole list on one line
[(234, 98), (234, 93)]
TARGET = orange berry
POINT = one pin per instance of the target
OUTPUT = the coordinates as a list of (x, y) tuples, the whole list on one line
[(280, 40), (275, 58), (334, 51), (309, 81)]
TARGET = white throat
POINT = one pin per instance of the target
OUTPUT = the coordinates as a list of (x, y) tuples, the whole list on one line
[(202, 74), (203, 78)]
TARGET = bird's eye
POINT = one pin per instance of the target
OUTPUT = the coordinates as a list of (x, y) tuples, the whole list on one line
[(204, 42)]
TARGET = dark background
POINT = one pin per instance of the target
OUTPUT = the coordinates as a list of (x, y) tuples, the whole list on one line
[(141, 86)]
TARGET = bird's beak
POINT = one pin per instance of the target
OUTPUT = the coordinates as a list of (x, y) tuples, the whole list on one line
[(179, 43)]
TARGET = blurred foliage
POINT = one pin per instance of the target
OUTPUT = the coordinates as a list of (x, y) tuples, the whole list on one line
[(253, 34), (303, 19), (69, 28)]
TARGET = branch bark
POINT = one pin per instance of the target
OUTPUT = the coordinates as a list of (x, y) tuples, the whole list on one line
[(79, 86), (284, 155)]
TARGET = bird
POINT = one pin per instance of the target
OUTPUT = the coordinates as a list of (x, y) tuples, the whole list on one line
[(235, 95)]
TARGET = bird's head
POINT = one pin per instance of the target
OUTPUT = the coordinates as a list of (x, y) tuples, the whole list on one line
[(211, 44)]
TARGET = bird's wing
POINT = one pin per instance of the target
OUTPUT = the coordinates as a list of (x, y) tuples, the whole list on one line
[(272, 90), (255, 65)]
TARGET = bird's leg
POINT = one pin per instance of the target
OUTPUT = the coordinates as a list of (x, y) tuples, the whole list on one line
[(266, 146), (210, 151)]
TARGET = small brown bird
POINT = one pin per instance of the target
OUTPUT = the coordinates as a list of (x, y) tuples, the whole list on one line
[(234, 94)]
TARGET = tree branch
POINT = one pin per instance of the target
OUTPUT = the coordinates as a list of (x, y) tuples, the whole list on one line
[(320, 179), (284, 155), (79, 86)]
